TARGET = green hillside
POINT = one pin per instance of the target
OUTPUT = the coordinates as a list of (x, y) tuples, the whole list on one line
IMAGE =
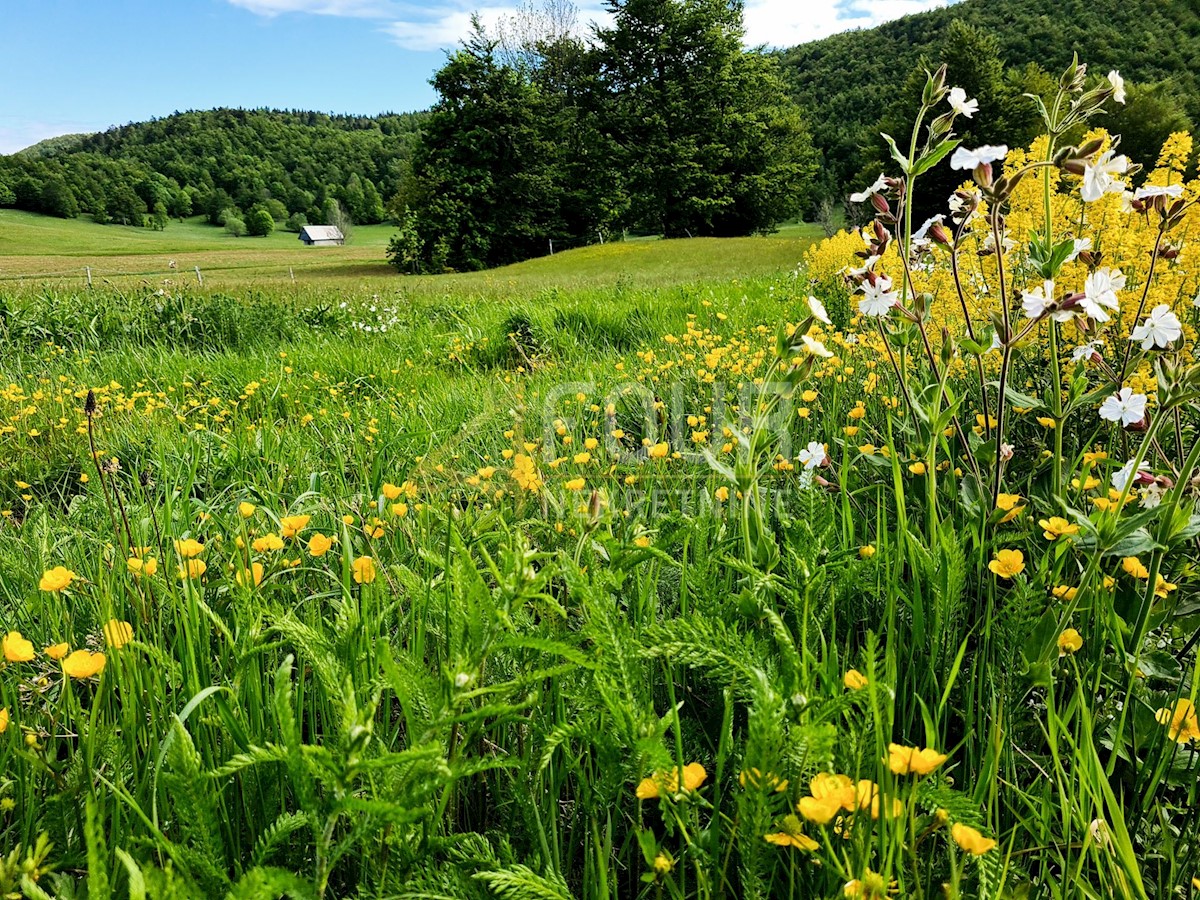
[(847, 82)]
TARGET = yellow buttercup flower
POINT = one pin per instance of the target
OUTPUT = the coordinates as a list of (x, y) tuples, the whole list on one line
[(1008, 563), (970, 839), (575, 484), (791, 835), (722, 493), (252, 577), (391, 491), (694, 775), (3, 720), (1069, 642), (192, 570), (117, 633), (866, 551), (57, 579), (319, 544), (57, 651), (917, 468), (17, 648), (642, 540), (83, 664), (1134, 568), (246, 510), (290, 526), (659, 451), (1182, 722), (1011, 504), (363, 569), (913, 761), (1056, 527), (267, 543), (854, 680), (188, 549)]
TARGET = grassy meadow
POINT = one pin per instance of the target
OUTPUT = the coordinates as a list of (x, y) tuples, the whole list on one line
[(631, 572)]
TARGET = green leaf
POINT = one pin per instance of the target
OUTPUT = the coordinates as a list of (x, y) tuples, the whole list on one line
[(934, 156), (899, 157)]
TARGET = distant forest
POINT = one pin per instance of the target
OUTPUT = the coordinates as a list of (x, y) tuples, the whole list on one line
[(659, 123)]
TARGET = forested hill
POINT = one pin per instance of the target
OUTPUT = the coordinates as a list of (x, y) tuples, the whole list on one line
[(846, 82), (296, 164)]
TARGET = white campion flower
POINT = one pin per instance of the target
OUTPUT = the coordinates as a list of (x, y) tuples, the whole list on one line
[(1146, 191), (1100, 293), (815, 347), (960, 104), (1118, 85), (878, 298), (1038, 302), (863, 196), (812, 456), (1086, 351), (1152, 495), (1161, 329), (1079, 245), (1125, 407), (1121, 477), (973, 159), (817, 308), (1196, 300), (1098, 178)]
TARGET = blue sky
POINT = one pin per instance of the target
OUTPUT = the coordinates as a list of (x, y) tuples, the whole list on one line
[(84, 65)]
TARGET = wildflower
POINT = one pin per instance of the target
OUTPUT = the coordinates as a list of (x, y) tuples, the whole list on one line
[(3, 720), (83, 664), (364, 569), (1069, 642), (267, 543), (1100, 293), (642, 540), (1040, 302), (871, 886), (817, 308), (659, 451), (812, 456), (1162, 587), (246, 510), (913, 761), (1098, 177), (1011, 505), (17, 648), (721, 493), (1056, 527), (791, 835), (1090, 350), (1182, 722), (854, 680), (319, 544), (1118, 85), (251, 578), (663, 864), (877, 187), (1161, 329), (399, 510), (139, 567), (971, 840), (575, 484), (290, 526), (917, 468), (391, 491), (831, 794), (1008, 564), (878, 297), (187, 549), (694, 775), (57, 579), (866, 551), (1133, 567), (960, 104), (117, 633), (192, 570), (1065, 592), (815, 347), (973, 159), (1148, 191), (1125, 407)]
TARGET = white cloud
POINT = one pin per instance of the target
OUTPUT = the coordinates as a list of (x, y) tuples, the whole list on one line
[(442, 23)]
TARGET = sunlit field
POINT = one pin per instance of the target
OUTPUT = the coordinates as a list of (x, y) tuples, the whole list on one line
[(767, 567)]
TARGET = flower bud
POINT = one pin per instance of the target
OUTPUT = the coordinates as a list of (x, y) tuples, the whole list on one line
[(939, 235)]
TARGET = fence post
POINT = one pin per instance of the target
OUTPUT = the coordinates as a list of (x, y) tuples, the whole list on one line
[(551, 246), (88, 269), (199, 277)]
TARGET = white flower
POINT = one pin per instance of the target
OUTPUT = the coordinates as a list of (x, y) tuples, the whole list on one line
[(1098, 179), (926, 225), (461, 680), (960, 103), (1100, 293), (972, 159), (815, 347), (1037, 303), (1118, 85), (1158, 190), (1085, 351), (1196, 300), (813, 455), (996, 343), (878, 298), (1161, 329), (1081, 244), (1151, 496), (1125, 407), (879, 185), (817, 308), (1121, 477)]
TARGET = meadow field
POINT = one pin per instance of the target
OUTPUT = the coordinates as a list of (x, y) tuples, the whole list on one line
[(652, 569)]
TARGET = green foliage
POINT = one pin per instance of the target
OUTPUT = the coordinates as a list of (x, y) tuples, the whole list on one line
[(259, 223)]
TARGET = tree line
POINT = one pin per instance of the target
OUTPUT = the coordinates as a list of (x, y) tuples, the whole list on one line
[(660, 123), (248, 170)]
